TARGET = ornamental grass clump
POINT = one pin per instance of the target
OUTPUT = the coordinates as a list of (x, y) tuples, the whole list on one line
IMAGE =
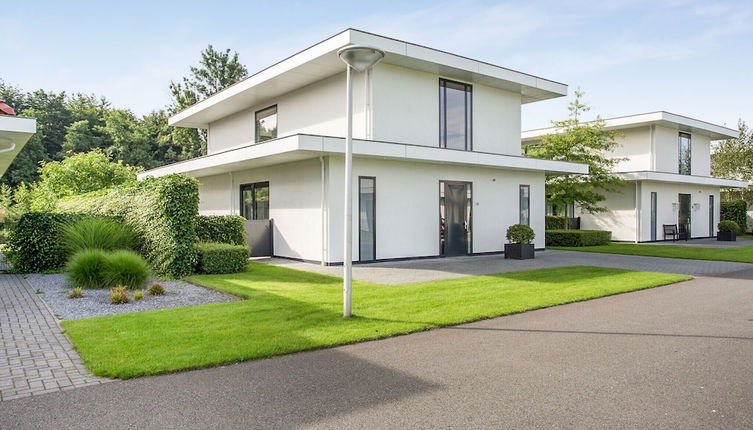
[(138, 295), (76, 293), (86, 269), (156, 290), (119, 295), (97, 233), (127, 269)]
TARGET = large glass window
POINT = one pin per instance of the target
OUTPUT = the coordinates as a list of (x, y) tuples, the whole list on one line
[(266, 124), (255, 200), (683, 215), (654, 209), (712, 216), (366, 218), (525, 204), (684, 147), (455, 115)]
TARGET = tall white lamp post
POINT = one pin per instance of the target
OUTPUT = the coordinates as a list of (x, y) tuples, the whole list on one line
[(358, 58)]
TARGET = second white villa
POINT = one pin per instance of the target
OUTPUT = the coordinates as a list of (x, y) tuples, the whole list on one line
[(437, 170), (667, 173)]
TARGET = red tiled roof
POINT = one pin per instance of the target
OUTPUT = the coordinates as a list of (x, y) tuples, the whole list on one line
[(5, 109)]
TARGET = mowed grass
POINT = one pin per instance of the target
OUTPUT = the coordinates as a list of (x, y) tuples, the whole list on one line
[(288, 310), (743, 254)]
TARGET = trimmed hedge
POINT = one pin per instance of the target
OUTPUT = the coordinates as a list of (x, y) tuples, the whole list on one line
[(221, 229), (577, 237), (34, 243), (162, 211), (728, 226), (554, 222), (221, 258), (737, 211)]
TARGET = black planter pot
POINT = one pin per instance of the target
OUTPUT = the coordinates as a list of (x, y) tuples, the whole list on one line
[(519, 251), (727, 236)]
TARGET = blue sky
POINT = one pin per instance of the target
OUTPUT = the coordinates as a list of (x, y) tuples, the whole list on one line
[(632, 56)]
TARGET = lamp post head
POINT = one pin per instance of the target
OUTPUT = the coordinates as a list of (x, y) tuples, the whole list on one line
[(359, 57)]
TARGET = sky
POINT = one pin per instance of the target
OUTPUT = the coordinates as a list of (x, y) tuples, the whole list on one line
[(628, 56)]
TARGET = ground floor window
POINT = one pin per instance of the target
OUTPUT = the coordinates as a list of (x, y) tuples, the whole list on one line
[(683, 213), (255, 200), (653, 214), (524, 199), (455, 218), (711, 215), (367, 218)]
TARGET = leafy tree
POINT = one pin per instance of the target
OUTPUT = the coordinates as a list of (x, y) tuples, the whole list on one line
[(77, 174), (733, 158), (580, 142)]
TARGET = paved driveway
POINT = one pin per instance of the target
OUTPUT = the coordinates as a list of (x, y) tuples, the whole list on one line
[(400, 272), (672, 357)]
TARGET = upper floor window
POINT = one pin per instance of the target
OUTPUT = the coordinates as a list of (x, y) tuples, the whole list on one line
[(455, 115), (266, 124), (684, 161)]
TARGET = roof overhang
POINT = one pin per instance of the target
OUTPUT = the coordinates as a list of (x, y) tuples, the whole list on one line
[(677, 178), (321, 61), (303, 146), (15, 131), (667, 119)]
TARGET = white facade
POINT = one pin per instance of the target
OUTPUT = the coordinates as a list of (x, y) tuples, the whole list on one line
[(649, 146), (15, 131), (397, 143)]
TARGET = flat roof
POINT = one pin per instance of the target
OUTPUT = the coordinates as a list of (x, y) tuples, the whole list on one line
[(15, 131), (677, 178), (321, 61), (680, 122), (306, 146)]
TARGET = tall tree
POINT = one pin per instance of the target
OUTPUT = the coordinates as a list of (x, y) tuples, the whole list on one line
[(733, 158), (581, 142)]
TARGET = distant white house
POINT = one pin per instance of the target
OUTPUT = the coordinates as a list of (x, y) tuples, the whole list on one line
[(15, 131), (667, 169), (437, 153)]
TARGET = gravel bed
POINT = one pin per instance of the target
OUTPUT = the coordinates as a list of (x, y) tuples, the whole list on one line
[(54, 290)]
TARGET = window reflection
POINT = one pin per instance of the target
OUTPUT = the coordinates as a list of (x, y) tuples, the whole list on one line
[(455, 115), (266, 124)]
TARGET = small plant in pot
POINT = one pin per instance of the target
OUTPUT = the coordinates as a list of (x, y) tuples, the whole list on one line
[(727, 231), (520, 247)]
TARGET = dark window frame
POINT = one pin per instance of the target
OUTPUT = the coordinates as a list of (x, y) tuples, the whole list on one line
[(680, 154), (712, 216), (520, 208), (252, 186), (468, 88), (257, 137), (654, 215), (373, 178)]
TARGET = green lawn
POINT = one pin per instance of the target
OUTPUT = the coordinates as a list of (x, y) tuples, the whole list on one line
[(743, 254), (289, 310)]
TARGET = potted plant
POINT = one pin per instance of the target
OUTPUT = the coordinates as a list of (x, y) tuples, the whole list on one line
[(520, 247), (727, 231)]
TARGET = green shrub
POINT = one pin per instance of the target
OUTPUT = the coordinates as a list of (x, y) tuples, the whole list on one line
[(156, 290), (138, 295), (86, 269), (76, 293), (162, 211), (119, 296), (221, 258), (96, 233), (127, 269), (221, 229), (520, 233), (729, 226), (578, 237), (554, 222), (737, 211)]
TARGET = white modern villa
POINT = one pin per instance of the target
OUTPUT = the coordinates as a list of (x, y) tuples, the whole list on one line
[(437, 169), (667, 169)]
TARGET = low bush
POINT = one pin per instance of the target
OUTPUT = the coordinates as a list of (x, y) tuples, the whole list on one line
[(155, 290), (96, 233), (34, 242), (119, 295), (221, 257), (138, 295), (86, 269), (737, 211), (76, 293), (729, 226), (578, 237), (221, 228), (520, 233), (127, 269), (554, 222)]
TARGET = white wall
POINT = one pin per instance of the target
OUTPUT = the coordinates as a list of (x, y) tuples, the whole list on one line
[(407, 211), (635, 145), (294, 203), (667, 214), (620, 219), (700, 153), (406, 109), (667, 147)]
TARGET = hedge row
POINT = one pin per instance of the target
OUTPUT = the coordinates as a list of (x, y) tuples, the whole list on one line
[(222, 229), (554, 222), (737, 211), (577, 237), (221, 258), (162, 211)]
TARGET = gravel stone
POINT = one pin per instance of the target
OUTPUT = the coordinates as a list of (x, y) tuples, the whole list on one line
[(54, 290)]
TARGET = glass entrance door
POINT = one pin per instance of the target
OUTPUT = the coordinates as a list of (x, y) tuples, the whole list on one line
[(455, 218), (683, 215)]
